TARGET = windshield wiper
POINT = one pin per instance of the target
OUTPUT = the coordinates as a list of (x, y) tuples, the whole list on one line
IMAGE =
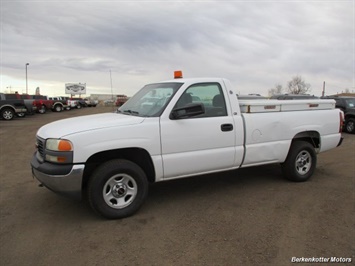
[(131, 112)]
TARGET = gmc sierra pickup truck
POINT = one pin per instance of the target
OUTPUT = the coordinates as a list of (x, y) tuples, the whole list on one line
[(175, 129)]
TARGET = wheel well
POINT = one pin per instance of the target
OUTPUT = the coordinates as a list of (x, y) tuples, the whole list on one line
[(7, 107), (136, 155), (312, 137), (348, 116)]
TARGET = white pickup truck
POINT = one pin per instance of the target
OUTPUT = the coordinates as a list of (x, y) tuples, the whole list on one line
[(175, 129)]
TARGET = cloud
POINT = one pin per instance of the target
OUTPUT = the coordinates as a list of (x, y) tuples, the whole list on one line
[(254, 44)]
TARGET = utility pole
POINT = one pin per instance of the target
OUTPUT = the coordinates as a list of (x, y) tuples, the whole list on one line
[(111, 85), (323, 92), (26, 79)]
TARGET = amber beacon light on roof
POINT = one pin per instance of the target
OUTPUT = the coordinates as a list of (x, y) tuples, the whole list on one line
[(177, 74)]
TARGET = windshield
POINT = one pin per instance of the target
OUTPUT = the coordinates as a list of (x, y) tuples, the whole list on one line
[(350, 103), (151, 100)]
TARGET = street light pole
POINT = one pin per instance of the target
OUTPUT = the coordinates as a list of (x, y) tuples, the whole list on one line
[(26, 79)]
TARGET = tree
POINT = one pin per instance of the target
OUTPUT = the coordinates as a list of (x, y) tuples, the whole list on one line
[(298, 86), (276, 90)]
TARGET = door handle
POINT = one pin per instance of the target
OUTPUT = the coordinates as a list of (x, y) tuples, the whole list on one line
[(227, 127)]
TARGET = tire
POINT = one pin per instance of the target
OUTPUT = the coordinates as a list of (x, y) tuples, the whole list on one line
[(117, 189), (42, 110), (301, 162), (21, 115), (58, 108), (78, 106), (7, 113), (350, 125)]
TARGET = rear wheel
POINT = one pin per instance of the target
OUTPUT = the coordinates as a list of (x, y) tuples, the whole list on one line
[(350, 125), (301, 161), (58, 108), (42, 110), (21, 114), (117, 189)]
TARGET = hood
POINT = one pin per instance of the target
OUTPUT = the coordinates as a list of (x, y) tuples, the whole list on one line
[(69, 126)]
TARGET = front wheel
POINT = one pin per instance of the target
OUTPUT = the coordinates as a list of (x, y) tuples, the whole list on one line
[(7, 113), (350, 125), (301, 162), (117, 189)]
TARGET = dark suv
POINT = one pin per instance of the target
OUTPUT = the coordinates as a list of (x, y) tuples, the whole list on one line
[(347, 105)]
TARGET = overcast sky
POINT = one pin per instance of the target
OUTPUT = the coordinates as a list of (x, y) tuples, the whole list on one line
[(255, 44)]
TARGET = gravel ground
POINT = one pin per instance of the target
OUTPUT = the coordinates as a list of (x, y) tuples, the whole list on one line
[(243, 217)]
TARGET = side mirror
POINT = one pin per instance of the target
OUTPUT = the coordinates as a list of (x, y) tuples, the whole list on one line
[(187, 111)]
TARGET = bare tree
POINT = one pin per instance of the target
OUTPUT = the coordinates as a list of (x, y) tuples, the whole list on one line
[(298, 86), (276, 90)]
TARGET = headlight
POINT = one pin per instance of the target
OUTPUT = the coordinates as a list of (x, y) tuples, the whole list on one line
[(59, 145), (58, 151)]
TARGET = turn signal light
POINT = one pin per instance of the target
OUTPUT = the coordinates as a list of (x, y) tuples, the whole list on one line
[(64, 145)]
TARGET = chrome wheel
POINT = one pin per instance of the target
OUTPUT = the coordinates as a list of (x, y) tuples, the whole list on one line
[(42, 110), (120, 191), (7, 114), (58, 108), (303, 162), (350, 126)]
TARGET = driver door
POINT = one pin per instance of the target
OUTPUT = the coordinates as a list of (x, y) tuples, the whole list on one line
[(200, 144)]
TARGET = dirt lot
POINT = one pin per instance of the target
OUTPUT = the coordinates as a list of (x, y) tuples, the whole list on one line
[(243, 217)]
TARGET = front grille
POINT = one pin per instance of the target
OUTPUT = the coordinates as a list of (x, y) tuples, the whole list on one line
[(40, 146)]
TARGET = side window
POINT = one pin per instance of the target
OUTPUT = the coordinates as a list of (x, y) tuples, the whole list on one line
[(208, 94), (339, 103)]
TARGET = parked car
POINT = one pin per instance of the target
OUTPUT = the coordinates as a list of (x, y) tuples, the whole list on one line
[(120, 100), (90, 103), (109, 102), (72, 103), (59, 103), (80, 102), (29, 103), (9, 108), (347, 105), (42, 103)]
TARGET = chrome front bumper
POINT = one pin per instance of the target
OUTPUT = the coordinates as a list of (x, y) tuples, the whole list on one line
[(68, 185)]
